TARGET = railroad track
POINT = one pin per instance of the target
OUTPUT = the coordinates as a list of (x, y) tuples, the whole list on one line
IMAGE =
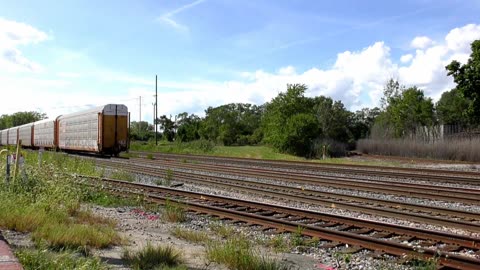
[(414, 212), (470, 178), (360, 234), (468, 196)]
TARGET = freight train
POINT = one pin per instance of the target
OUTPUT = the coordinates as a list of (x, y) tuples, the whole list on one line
[(101, 130)]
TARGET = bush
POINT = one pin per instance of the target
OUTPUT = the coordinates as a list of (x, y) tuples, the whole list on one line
[(151, 257), (462, 149)]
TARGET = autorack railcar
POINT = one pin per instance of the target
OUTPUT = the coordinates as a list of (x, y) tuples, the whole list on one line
[(102, 130)]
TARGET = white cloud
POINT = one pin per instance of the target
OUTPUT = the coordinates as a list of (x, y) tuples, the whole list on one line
[(167, 18), (12, 35), (421, 42), (356, 77), (406, 58)]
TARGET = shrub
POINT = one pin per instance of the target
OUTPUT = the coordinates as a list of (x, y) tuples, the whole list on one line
[(151, 257)]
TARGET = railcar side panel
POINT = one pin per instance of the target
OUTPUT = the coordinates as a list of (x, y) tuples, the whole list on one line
[(44, 134), (3, 137), (25, 133), (79, 132), (12, 136)]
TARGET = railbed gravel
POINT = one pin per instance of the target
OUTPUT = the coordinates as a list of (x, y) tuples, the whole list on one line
[(319, 187), (360, 260)]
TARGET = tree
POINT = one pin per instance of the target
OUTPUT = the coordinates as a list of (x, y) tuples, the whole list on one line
[(20, 118), (453, 108), (361, 122), (235, 123), (333, 119), (168, 126), (277, 122), (141, 131), (404, 112), (467, 78), (188, 127)]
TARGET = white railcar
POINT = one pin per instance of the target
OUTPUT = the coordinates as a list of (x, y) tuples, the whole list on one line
[(3, 137), (79, 131), (44, 133), (25, 134), (12, 136)]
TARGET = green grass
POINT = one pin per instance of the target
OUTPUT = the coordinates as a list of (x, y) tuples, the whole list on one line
[(191, 235), (97, 196), (43, 259), (174, 212), (256, 152), (238, 253), (46, 202), (153, 257)]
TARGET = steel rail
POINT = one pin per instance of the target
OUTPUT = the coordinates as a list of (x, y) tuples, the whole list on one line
[(202, 204), (289, 175), (425, 174), (305, 196), (367, 186)]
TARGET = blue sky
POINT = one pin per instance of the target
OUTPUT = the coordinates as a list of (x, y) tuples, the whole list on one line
[(210, 52)]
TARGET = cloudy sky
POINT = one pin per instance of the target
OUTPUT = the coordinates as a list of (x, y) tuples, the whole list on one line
[(59, 57)]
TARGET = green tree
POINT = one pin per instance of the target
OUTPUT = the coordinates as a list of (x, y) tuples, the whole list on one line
[(333, 119), (403, 111), (453, 108), (20, 118), (361, 122), (467, 78), (234, 123), (141, 131), (280, 112), (168, 126), (188, 127)]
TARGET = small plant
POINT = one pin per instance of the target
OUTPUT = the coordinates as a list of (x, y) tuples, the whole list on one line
[(238, 253), (342, 258), (222, 230), (278, 243), (153, 257), (190, 235), (150, 156), (168, 177), (174, 212), (184, 160), (297, 237)]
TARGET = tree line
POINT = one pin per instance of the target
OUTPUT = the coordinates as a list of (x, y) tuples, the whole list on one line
[(296, 124), (20, 118)]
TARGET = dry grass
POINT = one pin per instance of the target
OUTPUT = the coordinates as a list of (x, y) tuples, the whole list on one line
[(449, 149)]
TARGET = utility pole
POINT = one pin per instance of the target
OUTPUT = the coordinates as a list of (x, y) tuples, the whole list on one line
[(156, 110), (140, 109)]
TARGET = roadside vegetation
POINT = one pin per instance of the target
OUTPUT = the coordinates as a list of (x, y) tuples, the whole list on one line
[(45, 201)]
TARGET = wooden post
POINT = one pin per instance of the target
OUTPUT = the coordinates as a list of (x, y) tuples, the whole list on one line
[(7, 172), (17, 158)]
